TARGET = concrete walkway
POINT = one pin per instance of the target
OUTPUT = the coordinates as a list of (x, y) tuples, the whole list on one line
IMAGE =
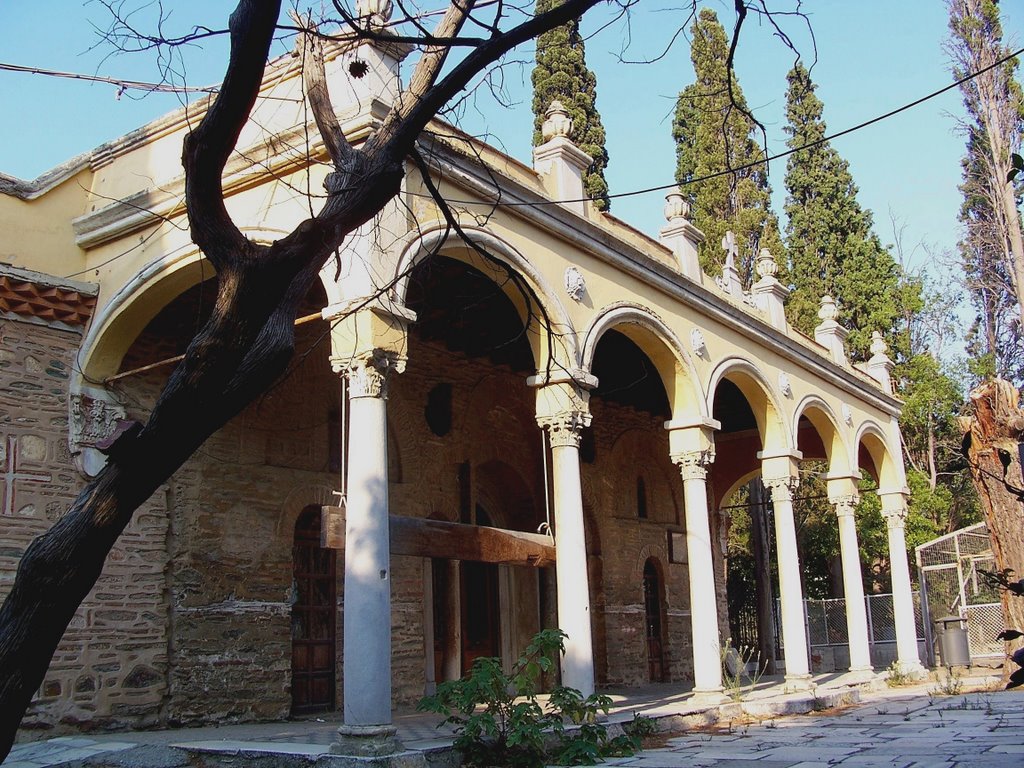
[(881, 727)]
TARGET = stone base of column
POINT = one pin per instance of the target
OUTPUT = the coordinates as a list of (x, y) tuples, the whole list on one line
[(708, 697), (366, 741), (798, 684), (913, 669), (858, 676)]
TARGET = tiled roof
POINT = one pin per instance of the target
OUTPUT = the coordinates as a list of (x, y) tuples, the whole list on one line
[(45, 302)]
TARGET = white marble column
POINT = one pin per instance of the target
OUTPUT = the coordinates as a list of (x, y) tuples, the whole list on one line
[(853, 584), (564, 431), (894, 510), (794, 634), (367, 617), (707, 660)]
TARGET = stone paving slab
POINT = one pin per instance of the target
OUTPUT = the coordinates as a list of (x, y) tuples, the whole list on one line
[(892, 729)]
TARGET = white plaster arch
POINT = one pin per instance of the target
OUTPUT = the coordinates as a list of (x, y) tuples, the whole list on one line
[(681, 381), (434, 241), (775, 436), (838, 448), (141, 299), (873, 437)]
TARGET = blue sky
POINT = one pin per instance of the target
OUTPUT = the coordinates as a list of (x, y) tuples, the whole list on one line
[(872, 56)]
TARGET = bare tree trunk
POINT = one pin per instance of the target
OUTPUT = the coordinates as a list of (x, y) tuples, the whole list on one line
[(993, 434), (249, 339)]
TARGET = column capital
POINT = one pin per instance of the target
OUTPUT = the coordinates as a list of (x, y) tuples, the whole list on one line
[(894, 508), (693, 465), (782, 488), (368, 376), (565, 428), (895, 519), (845, 504)]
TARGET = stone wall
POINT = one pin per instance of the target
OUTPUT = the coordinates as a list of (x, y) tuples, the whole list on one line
[(111, 666), (192, 619)]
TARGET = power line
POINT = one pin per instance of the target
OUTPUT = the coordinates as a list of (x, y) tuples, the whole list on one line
[(122, 84), (768, 159)]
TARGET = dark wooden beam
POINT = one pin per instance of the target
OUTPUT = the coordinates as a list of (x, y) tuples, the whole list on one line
[(420, 537)]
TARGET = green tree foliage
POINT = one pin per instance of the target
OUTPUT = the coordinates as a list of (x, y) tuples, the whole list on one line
[(714, 134), (561, 74), (829, 238), (992, 247)]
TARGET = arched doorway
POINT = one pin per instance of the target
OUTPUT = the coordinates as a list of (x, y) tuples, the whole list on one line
[(653, 611), (481, 619), (314, 572)]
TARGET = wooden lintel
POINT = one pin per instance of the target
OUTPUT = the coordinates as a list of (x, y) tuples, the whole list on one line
[(456, 541), (420, 537)]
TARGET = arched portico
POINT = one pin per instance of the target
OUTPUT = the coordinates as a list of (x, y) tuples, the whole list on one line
[(548, 327)]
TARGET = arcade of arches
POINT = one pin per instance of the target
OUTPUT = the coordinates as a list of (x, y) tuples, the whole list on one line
[(542, 436)]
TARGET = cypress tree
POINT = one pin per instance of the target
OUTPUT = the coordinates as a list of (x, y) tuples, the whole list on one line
[(829, 238), (561, 74), (713, 134)]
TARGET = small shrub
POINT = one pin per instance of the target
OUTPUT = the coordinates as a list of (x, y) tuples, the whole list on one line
[(896, 677), (500, 722), (951, 685), (734, 664)]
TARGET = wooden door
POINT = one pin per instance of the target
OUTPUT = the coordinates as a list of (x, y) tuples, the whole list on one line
[(652, 616), (481, 634), (313, 618)]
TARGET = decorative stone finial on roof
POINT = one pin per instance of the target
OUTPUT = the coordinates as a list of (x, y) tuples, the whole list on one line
[(829, 333), (766, 265), (879, 366), (878, 345), (828, 311), (676, 206), (558, 122), (375, 14), (731, 249)]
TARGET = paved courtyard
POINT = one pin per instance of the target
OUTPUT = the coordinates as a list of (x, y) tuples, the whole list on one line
[(904, 728), (975, 730)]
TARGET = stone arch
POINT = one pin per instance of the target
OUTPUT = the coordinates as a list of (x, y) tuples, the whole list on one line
[(552, 340), (661, 345), (297, 500), (875, 457), (760, 395), (820, 414), (737, 483), (120, 320)]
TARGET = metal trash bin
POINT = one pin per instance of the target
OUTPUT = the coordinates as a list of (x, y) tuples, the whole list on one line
[(954, 650)]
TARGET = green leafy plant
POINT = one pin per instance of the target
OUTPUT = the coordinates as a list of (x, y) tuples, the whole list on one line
[(950, 685), (500, 721), (896, 677), (734, 669)]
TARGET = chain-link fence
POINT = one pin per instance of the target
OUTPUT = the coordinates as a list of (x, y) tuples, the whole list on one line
[(952, 586), (826, 620)]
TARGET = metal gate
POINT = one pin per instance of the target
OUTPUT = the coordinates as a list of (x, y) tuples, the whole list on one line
[(951, 586)]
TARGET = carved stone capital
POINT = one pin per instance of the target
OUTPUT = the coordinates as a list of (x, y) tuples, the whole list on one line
[(693, 465), (368, 376), (895, 519), (845, 505), (782, 488), (94, 419), (566, 428)]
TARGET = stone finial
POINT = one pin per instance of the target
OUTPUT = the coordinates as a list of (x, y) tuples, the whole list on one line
[(766, 265), (374, 13), (829, 333), (879, 366), (878, 345), (557, 122), (829, 311), (676, 206), (768, 293), (731, 249)]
